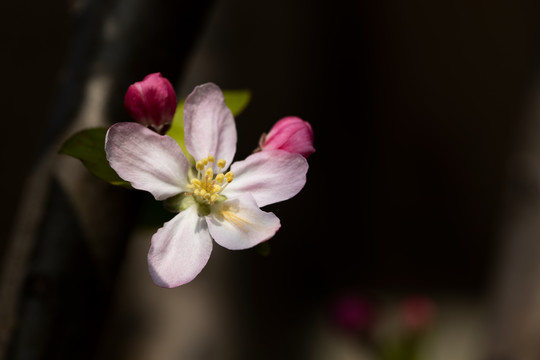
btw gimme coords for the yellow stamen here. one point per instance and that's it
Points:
(208, 186)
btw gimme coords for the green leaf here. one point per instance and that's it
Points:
(236, 101)
(177, 130)
(89, 147)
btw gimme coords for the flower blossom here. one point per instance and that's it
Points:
(211, 200)
(151, 102)
(291, 134)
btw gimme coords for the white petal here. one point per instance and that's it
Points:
(209, 124)
(147, 160)
(239, 223)
(180, 249)
(270, 176)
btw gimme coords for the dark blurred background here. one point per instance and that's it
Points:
(418, 109)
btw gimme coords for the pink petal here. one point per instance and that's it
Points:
(149, 161)
(291, 134)
(239, 224)
(209, 125)
(180, 249)
(269, 176)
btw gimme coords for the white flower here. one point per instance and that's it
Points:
(212, 202)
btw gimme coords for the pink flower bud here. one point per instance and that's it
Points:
(291, 134)
(152, 102)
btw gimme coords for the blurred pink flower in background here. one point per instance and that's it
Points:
(152, 102)
(417, 313)
(353, 313)
(291, 134)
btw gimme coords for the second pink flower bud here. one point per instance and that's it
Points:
(291, 134)
(152, 102)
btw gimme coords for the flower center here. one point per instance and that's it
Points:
(207, 186)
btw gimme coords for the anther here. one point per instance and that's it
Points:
(207, 188)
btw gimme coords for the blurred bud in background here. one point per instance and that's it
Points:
(417, 313)
(353, 313)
